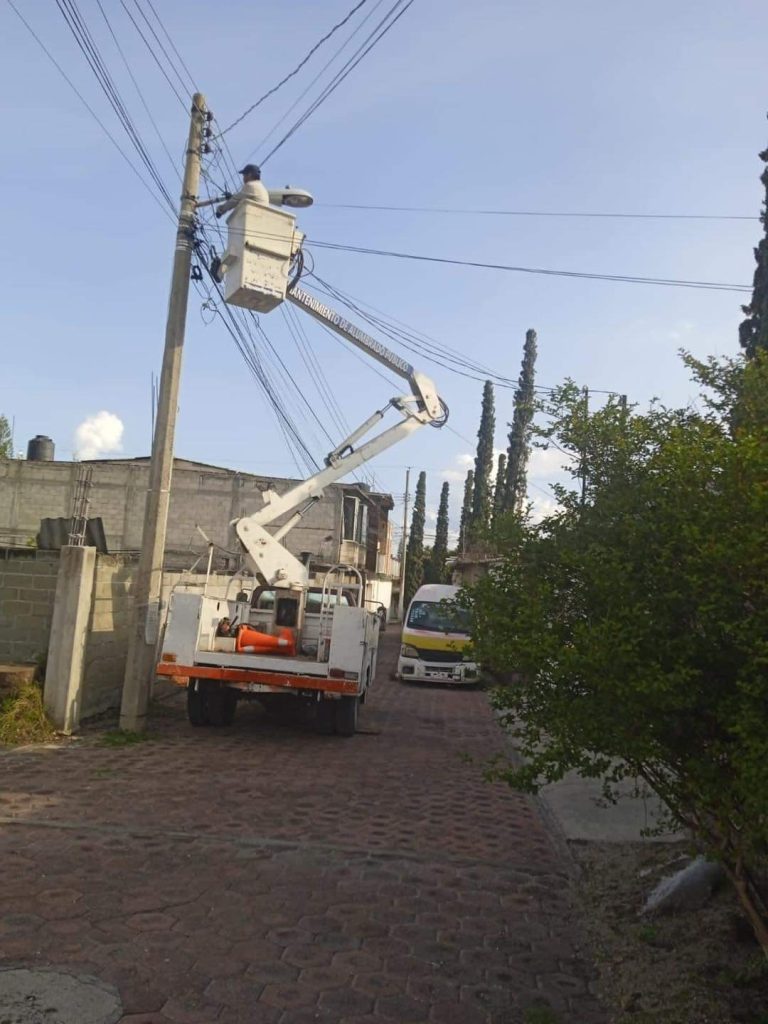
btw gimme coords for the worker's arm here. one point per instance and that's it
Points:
(250, 190)
(230, 203)
(210, 202)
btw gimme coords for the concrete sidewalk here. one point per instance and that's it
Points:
(578, 808)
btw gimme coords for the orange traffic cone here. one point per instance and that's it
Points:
(251, 641)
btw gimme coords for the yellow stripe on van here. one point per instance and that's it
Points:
(435, 641)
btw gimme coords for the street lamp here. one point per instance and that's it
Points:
(288, 196)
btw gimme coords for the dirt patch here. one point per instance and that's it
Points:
(695, 967)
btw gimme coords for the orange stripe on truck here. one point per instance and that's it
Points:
(181, 674)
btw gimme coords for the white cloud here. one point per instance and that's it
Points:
(543, 505)
(99, 435)
(544, 463)
(681, 331)
(464, 461)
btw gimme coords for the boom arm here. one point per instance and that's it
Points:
(266, 556)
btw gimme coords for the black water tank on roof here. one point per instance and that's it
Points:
(40, 449)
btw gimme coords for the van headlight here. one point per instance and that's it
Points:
(406, 651)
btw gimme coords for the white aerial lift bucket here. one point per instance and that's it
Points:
(262, 241)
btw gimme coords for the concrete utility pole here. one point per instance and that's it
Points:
(401, 599)
(142, 650)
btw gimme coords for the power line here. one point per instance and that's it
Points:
(296, 70)
(240, 330)
(536, 213)
(509, 268)
(358, 28)
(144, 103)
(154, 55)
(172, 66)
(88, 47)
(410, 339)
(90, 110)
(440, 355)
(317, 375)
(388, 22)
(173, 45)
(624, 278)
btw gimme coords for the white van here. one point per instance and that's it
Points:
(434, 638)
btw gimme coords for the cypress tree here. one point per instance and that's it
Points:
(414, 565)
(435, 569)
(466, 511)
(6, 448)
(499, 486)
(481, 496)
(519, 436)
(753, 332)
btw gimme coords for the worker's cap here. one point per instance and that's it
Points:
(253, 169)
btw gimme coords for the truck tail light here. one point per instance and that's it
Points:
(339, 673)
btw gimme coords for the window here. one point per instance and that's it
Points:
(314, 598)
(361, 531)
(438, 617)
(265, 602)
(355, 520)
(350, 516)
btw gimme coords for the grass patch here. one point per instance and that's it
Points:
(23, 718)
(122, 738)
(647, 933)
(540, 1015)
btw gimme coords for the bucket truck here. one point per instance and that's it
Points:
(223, 650)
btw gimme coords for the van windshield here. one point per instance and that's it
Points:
(438, 616)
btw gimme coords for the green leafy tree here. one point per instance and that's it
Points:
(636, 617)
(520, 428)
(435, 571)
(482, 490)
(499, 487)
(6, 447)
(466, 511)
(414, 563)
(753, 332)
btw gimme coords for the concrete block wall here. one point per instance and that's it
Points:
(110, 622)
(107, 638)
(206, 496)
(27, 592)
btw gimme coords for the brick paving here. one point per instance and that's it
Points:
(265, 874)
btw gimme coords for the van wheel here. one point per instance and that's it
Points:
(221, 706)
(346, 716)
(197, 703)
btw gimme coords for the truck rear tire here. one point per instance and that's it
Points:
(197, 703)
(221, 706)
(346, 716)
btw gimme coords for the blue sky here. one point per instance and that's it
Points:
(597, 106)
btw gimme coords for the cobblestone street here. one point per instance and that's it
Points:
(265, 873)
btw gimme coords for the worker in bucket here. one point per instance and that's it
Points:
(253, 188)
